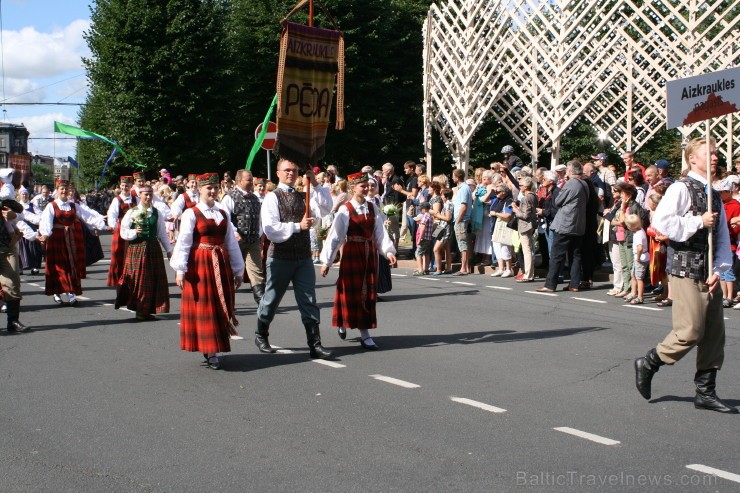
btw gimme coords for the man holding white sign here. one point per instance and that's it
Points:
(698, 321)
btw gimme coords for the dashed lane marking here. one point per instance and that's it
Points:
(236, 338)
(395, 381)
(643, 307)
(587, 299)
(281, 350)
(463, 283)
(501, 288)
(479, 405)
(399, 275)
(330, 364)
(431, 279)
(715, 472)
(587, 436)
(541, 294)
(83, 298)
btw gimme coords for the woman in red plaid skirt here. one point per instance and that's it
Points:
(61, 232)
(358, 226)
(142, 286)
(209, 269)
(118, 208)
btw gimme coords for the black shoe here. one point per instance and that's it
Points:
(342, 332)
(73, 302)
(313, 338)
(706, 396)
(369, 347)
(645, 368)
(34, 271)
(17, 326)
(213, 363)
(263, 344)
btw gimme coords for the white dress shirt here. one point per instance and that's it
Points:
(114, 211)
(181, 253)
(674, 219)
(338, 233)
(128, 233)
(179, 204)
(279, 232)
(83, 213)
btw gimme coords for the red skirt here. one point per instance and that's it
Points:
(117, 256)
(205, 323)
(143, 283)
(356, 297)
(63, 274)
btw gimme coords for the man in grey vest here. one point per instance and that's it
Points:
(286, 225)
(244, 206)
(698, 321)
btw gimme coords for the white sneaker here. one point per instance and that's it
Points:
(507, 273)
(497, 273)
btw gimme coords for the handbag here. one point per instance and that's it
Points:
(501, 234)
(513, 223)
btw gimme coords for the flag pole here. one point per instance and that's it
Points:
(710, 263)
(307, 182)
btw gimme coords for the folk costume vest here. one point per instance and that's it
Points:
(246, 215)
(189, 203)
(690, 258)
(292, 207)
(123, 207)
(148, 228)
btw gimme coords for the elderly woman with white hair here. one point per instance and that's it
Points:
(526, 214)
(483, 193)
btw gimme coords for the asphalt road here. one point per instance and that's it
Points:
(482, 384)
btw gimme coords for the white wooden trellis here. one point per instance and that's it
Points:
(538, 66)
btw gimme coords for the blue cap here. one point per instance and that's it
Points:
(662, 164)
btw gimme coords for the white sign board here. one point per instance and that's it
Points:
(700, 98)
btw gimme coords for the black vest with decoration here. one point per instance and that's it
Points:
(246, 215)
(292, 208)
(691, 257)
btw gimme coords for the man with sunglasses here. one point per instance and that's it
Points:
(286, 225)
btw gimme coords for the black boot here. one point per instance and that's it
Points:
(261, 339)
(258, 291)
(14, 309)
(313, 338)
(706, 397)
(645, 368)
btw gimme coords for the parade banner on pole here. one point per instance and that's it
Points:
(696, 99)
(311, 59)
(78, 132)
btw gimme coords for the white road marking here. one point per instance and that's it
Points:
(431, 279)
(127, 310)
(281, 350)
(33, 284)
(587, 299)
(541, 293)
(587, 436)
(479, 405)
(500, 287)
(107, 304)
(83, 298)
(395, 381)
(330, 364)
(715, 472)
(463, 283)
(236, 338)
(399, 275)
(643, 307)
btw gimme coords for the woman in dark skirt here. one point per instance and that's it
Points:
(142, 285)
(209, 269)
(359, 227)
(29, 250)
(384, 283)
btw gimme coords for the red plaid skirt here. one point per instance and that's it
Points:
(142, 286)
(204, 327)
(60, 273)
(355, 297)
(117, 256)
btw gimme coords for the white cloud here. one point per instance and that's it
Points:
(43, 140)
(29, 53)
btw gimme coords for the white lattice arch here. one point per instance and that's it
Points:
(538, 66)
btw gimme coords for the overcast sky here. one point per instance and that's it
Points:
(42, 47)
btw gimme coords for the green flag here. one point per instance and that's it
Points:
(261, 136)
(78, 132)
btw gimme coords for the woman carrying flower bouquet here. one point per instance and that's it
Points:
(358, 226)
(142, 286)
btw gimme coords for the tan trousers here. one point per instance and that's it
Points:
(527, 240)
(697, 321)
(9, 278)
(252, 253)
